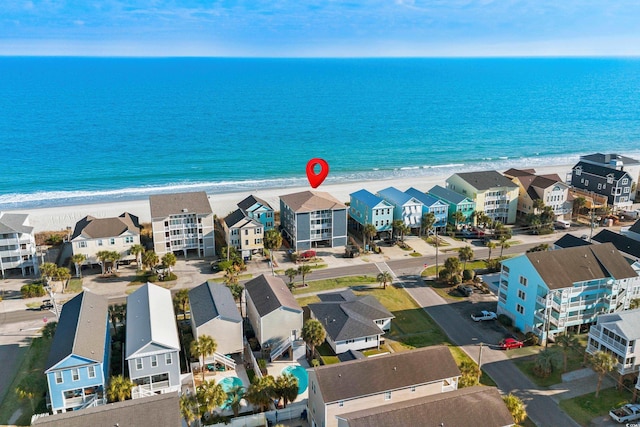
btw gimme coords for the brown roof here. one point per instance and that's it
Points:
(310, 201)
(164, 205)
(362, 377)
(564, 267)
(479, 406)
(95, 228)
(513, 172)
(486, 180)
(269, 293)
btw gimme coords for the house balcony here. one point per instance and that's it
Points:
(611, 344)
(146, 390)
(541, 300)
(539, 316)
(83, 401)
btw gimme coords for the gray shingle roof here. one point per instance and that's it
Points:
(602, 171)
(14, 223)
(269, 293)
(448, 195)
(213, 300)
(635, 228)
(622, 243)
(95, 228)
(310, 201)
(570, 241)
(625, 323)
(389, 372)
(82, 329)
(238, 219)
(607, 158)
(155, 411)
(478, 406)
(164, 205)
(564, 267)
(252, 200)
(485, 180)
(513, 172)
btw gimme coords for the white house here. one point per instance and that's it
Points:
(17, 244)
(92, 235)
(617, 333)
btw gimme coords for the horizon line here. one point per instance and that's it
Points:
(515, 56)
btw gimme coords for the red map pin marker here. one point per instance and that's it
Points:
(315, 179)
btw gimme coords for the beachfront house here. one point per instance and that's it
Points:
(243, 233)
(457, 203)
(616, 161)
(367, 208)
(483, 407)
(356, 385)
(182, 223)
(273, 312)
(547, 188)
(92, 235)
(214, 312)
(556, 291)
(431, 204)
(313, 219)
(405, 208)
(77, 368)
(152, 347)
(17, 244)
(617, 333)
(256, 208)
(351, 322)
(493, 193)
(615, 184)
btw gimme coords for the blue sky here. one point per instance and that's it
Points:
(293, 28)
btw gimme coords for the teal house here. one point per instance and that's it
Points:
(367, 208)
(457, 202)
(431, 204)
(405, 208)
(256, 208)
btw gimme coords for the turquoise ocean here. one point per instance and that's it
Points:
(83, 130)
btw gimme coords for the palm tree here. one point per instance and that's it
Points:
(567, 343)
(47, 271)
(117, 313)
(291, 273)
(149, 259)
(272, 241)
(181, 300)
(369, 231)
(504, 244)
(470, 374)
(428, 220)
(602, 363)
(260, 392)
(543, 365)
(231, 275)
(303, 270)
(452, 265)
(204, 346)
(234, 398)
(635, 303)
(137, 250)
(168, 261)
(578, 204)
(119, 388)
(114, 257)
(236, 291)
(189, 408)
(404, 229)
(29, 389)
(491, 245)
(210, 395)
(458, 217)
(383, 278)
(286, 388)
(313, 334)
(63, 275)
(538, 205)
(78, 259)
(103, 257)
(516, 407)
(465, 254)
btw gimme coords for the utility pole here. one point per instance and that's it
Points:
(480, 362)
(436, 254)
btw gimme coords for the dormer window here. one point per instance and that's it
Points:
(609, 179)
(578, 170)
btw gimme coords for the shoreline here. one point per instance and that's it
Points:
(58, 218)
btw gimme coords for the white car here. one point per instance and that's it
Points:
(484, 315)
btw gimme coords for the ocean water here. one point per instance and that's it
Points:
(81, 130)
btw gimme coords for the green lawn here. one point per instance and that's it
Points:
(240, 277)
(431, 271)
(327, 354)
(74, 286)
(445, 290)
(339, 282)
(585, 408)
(460, 356)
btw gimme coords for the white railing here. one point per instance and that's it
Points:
(146, 390)
(252, 359)
(280, 348)
(94, 401)
(541, 300)
(223, 360)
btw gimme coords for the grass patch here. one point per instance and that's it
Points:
(476, 264)
(574, 361)
(32, 367)
(240, 277)
(279, 272)
(432, 241)
(327, 354)
(460, 356)
(585, 408)
(74, 286)
(305, 301)
(374, 351)
(33, 304)
(445, 290)
(251, 374)
(415, 254)
(318, 266)
(338, 282)
(129, 291)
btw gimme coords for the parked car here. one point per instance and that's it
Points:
(352, 251)
(308, 254)
(215, 267)
(465, 290)
(46, 305)
(626, 413)
(509, 343)
(484, 315)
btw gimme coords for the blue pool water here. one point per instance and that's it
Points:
(228, 383)
(301, 374)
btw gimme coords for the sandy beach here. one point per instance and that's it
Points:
(60, 217)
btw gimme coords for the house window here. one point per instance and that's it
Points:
(624, 181)
(75, 374)
(523, 281)
(387, 395)
(413, 389)
(519, 309)
(128, 239)
(59, 379)
(258, 230)
(112, 241)
(350, 341)
(522, 295)
(578, 171)
(246, 232)
(505, 270)
(99, 242)
(82, 244)
(92, 371)
(139, 364)
(167, 359)
(341, 403)
(625, 189)
(154, 361)
(610, 179)
(599, 186)
(246, 242)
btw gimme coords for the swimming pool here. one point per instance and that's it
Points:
(228, 383)
(301, 374)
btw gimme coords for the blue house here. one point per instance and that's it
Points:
(406, 208)
(457, 202)
(258, 209)
(78, 364)
(431, 204)
(367, 208)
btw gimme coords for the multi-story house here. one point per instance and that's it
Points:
(493, 193)
(378, 381)
(632, 232)
(405, 208)
(17, 244)
(555, 291)
(617, 333)
(367, 208)
(615, 184)
(92, 235)
(78, 365)
(152, 347)
(351, 322)
(243, 233)
(548, 188)
(182, 223)
(313, 218)
(457, 203)
(256, 208)
(431, 204)
(616, 161)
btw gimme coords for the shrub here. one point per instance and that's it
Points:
(315, 363)
(224, 265)
(32, 290)
(443, 275)
(531, 339)
(456, 279)
(505, 320)
(493, 265)
(468, 274)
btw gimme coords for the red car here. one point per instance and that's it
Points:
(509, 343)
